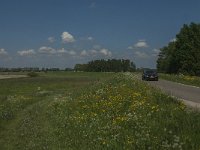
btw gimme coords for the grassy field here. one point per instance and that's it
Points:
(189, 80)
(92, 111)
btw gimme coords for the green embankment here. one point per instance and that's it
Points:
(92, 111)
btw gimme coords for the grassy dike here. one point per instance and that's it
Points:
(85, 111)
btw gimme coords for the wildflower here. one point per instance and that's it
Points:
(129, 141)
(170, 132)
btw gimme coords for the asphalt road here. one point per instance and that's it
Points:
(189, 94)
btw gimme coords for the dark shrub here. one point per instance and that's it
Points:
(33, 74)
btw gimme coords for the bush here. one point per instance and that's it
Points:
(33, 74)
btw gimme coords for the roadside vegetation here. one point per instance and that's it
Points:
(182, 54)
(93, 111)
(180, 78)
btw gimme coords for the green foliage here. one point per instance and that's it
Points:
(166, 62)
(113, 65)
(32, 74)
(182, 55)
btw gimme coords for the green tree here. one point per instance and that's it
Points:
(113, 65)
(182, 56)
(166, 61)
(188, 49)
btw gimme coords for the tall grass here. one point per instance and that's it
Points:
(23, 99)
(117, 113)
(189, 80)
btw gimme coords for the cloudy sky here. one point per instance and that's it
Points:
(62, 33)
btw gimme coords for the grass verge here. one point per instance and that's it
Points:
(188, 80)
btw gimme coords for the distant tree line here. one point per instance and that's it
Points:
(183, 54)
(32, 69)
(25, 69)
(110, 65)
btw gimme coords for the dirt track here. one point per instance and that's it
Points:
(11, 76)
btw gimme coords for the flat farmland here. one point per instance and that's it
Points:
(77, 110)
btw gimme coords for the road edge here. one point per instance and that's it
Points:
(191, 104)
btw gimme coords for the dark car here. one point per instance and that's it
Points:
(150, 75)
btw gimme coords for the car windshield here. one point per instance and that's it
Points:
(150, 72)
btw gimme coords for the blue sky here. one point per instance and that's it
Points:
(62, 33)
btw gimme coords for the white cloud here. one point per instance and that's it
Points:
(59, 52)
(173, 40)
(46, 50)
(130, 47)
(156, 51)
(29, 52)
(51, 39)
(84, 53)
(63, 51)
(93, 52)
(72, 52)
(105, 52)
(90, 38)
(3, 52)
(67, 37)
(141, 44)
(141, 54)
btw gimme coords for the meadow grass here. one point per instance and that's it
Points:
(93, 111)
(185, 79)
